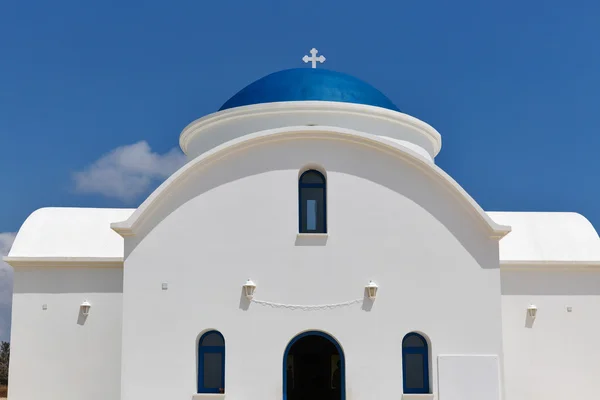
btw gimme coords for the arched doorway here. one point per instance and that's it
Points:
(313, 368)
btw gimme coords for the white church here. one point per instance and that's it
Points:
(310, 249)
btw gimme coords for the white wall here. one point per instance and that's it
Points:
(555, 356)
(57, 354)
(437, 270)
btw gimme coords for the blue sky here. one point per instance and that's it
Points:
(513, 87)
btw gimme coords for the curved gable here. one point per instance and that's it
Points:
(140, 220)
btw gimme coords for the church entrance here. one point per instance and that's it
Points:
(314, 368)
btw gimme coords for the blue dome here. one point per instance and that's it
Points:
(305, 84)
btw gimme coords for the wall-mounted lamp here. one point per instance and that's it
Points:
(249, 288)
(85, 308)
(532, 311)
(372, 290)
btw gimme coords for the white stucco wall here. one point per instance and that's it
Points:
(57, 354)
(436, 266)
(555, 356)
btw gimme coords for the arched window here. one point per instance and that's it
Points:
(313, 207)
(211, 363)
(415, 364)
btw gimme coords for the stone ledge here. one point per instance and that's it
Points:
(208, 396)
(418, 396)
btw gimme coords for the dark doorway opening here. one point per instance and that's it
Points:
(314, 368)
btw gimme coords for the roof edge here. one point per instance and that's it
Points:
(87, 262)
(550, 265)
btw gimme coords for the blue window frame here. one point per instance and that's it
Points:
(211, 363)
(415, 364)
(312, 202)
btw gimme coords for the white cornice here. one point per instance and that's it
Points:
(549, 265)
(132, 224)
(312, 108)
(117, 262)
(88, 262)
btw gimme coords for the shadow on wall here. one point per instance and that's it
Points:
(367, 304)
(337, 155)
(529, 320)
(68, 280)
(554, 283)
(81, 318)
(311, 240)
(244, 301)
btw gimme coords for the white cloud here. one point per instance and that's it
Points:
(6, 285)
(128, 171)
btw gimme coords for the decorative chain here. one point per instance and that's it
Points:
(307, 307)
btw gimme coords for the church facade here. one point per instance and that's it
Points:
(310, 248)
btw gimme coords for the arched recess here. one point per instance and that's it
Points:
(211, 362)
(314, 367)
(416, 364)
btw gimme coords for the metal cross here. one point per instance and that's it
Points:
(313, 58)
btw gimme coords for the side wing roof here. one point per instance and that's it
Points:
(548, 238)
(63, 236)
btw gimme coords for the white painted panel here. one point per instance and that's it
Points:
(56, 352)
(555, 356)
(468, 377)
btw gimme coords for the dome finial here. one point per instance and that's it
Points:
(313, 58)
